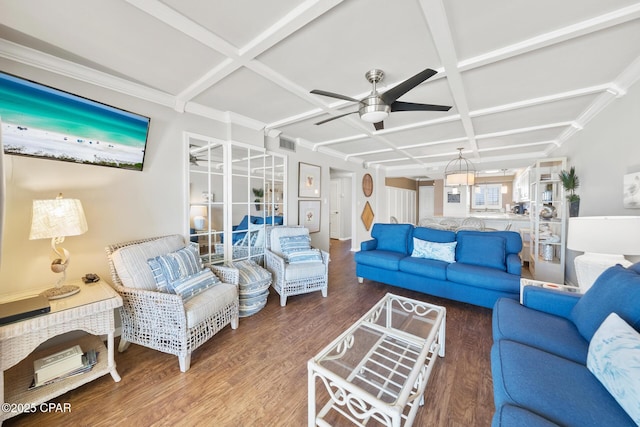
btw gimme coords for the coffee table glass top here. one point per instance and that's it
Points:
(379, 352)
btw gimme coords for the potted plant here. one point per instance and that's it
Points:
(258, 193)
(570, 182)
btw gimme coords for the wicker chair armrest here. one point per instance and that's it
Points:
(152, 307)
(226, 273)
(275, 264)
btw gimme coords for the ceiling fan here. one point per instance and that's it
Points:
(375, 107)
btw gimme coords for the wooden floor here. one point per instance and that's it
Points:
(257, 375)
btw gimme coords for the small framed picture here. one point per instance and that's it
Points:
(308, 180)
(309, 215)
(631, 186)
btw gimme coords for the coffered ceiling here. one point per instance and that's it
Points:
(521, 76)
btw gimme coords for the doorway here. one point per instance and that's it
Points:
(341, 205)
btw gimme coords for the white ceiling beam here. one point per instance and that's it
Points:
(579, 29)
(436, 17)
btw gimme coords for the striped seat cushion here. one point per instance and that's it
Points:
(249, 272)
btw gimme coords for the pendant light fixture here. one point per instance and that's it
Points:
(459, 171)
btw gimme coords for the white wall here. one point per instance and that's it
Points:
(326, 162)
(119, 204)
(602, 153)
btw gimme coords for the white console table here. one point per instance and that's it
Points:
(91, 310)
(379, 367)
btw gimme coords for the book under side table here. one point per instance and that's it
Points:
(91, 310)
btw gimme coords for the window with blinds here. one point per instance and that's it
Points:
(487, 196)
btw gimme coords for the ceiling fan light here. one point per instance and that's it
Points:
(373, 110)
(374, 116)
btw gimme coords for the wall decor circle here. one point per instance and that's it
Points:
(367, 185)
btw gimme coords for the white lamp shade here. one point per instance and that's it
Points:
(57, 218)
(618, 235)
(454, 179)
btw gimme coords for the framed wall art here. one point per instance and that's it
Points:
(367, 185)
(631, 185)
(309, 215)
(308, 180)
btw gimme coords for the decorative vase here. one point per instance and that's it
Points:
(574, 208)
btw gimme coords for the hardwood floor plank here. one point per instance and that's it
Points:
(256, 375)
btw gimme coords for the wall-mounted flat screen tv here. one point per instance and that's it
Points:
(48, 123)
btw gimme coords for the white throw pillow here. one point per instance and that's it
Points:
(433, 250)
(614, 359)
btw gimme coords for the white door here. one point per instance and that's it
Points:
(427, 204)
(334, 209)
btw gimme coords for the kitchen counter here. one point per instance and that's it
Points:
(497, 221)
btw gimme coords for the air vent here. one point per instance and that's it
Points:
(287, 144)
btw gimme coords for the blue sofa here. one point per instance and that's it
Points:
(545, 351)
(486, 267)
(241, 229)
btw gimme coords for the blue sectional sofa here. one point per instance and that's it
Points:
(475, 267)
(560, 359)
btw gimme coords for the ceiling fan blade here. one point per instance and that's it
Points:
(400, 89)
(334, 95)
(412, 106)
(379, 125)
(335, 117)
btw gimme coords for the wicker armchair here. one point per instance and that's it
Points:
(294, 279)
(163, 321)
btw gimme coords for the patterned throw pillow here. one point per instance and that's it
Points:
(307, 255)
(433, 250)
(190, 286)
(614, 358)
(289, 244)
(175, 266)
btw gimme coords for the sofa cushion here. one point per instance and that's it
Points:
(513, 416)
(483, 277)
(546, 332)
(434, 250)
(430, 268)
(275, 220)
(564, 391)
(432, 235)
(131, 265)
(208, 302)
(392, 237)
(616, 290)
(513, 240)
(304, 271)
(635, 267)
(481, 249)
(614, 358)
(382, 259)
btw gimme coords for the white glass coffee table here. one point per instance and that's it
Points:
(377, 370)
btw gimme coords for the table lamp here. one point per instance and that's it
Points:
(604, 240)
(56, 219)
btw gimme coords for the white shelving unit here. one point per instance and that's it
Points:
(548, 216)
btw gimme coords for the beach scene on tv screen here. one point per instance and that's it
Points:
(48, 123)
